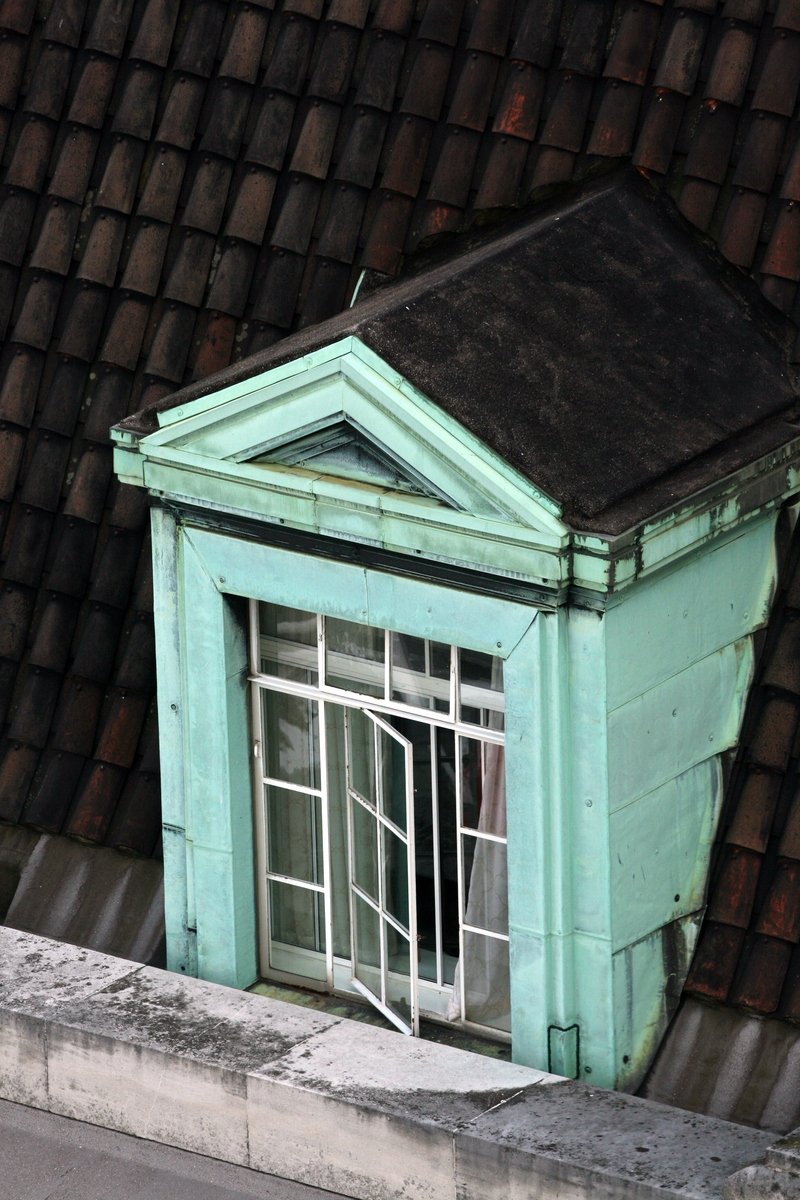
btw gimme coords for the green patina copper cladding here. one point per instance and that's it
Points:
(622, 695)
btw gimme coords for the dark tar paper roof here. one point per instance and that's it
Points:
(598, 347)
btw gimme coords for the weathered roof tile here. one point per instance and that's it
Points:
(84, 322)
(17, 211)
(26, 543)
(65, 22)
(339, 237)
(312, 154)
(520, 102)
(170, 347)
(760, 982)
(276, 300)
(74, 164)
(208, 195)
(103, 249)
(154, 36)
(395, 16)
(427, 82)
(715, 961)
(454, 168)
(787, 15)
(760, 153)
(110, 27)
(730, 69)
(189, 275)
(741, 226)
(53, 633)
(56, 241)
(48, 86)
(120, 180)
(12, 447)
(93, 92)
(472, 99)
(35, 703)
(63, 397)
(633, 44)
(121, 726)
(50, 799)
(45, 472)
(28, 166)
(215, 341)
(615, 124)
(712, 144)
(116, 569)
(780, 914)
(17, 770)
(182, 112)
(659, 130)
(76, 717)
(584, 49)
(87, 492)
(377, 85)
(137, 106)
(332, 75)
(230, 103)
(137, 819)
(137, 663)
(251, 208)
(408, 153)
(752, 820)
(502, 174)
(146, 257)
(231, 283)
(780, 76)
(16, 609)
(288, 66)
(20, 386)
(74, 541)
(441, 21)
(782, 256)
(735, 889)
(198, 46)
(297, 216)
(125, 337)
(680, 60)
(349, 12)
(566, 120)
(96, 795)
(17, 15)
(358, 161)
(13, 52)
(34, 325)
(163, 185)
(242, 57)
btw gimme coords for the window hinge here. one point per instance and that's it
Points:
(256, 750)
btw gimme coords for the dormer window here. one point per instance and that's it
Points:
(381, 817)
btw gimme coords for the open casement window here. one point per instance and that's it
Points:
(380, 818)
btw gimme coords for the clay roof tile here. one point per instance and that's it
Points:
(53, 634)
(17, 211)
(229, 107)
(72, 563)
(565, 123)
(474, 91)
(208, 196)
(129, 507)
(741, 226)
(288, 65)
(16, 609)
(136, 825)
(56, 241)
(120, 180)
(326, 292)
(103, 248)
(752, 820)
(189, 274)
(358, 161)
(491, 27)
(109, 402)
(710, 151)
(407, 155)
(276, 301)
(455, 165)
(96, 646)
(49, 801)
(65, 22)
(761, 978)
(297, 216)
(584, 50)
(790, 189)
(110, 27)
(779, 79)
(743, 10)
(153, 40)
(730, 68)
(441, 21)
(170, 347)
(34, 325)
(552, 166)
(137, 655)
(74, 164)
(28, 166)
(385, 239)
(427, 82)
(36, 697)
(242, 57)
(314, 148)
(137, 106)
(761, 151)
(13, 52)
(733, 896)
(116, 569)
(96, 795)
(17, 15)
(251, 208)
(63, 397)
(395, 16)
(305, 8)
(787, 15)
(159, 198)
(123, 341)
(789, 846)
(271, 135)
(87, 492)
(20, 386)
(715, 961)
(332, 75)
(84, 322)
(782, 258)
(27, 537)
(680, 60)
(340, 234)
(146, 258)
(17, 771)
(774, 731)
(231, 283)
(615, 124)
(520, 102)
(632, 47)
(76, 716)
(198, 45)
(45, 472)
(121, 726)
(349, 12)
(90, 101)
(501, 176)
(659, 131)
(215, 338)
(8, 679)
(48, 86)
(377, 85)
(12, 447)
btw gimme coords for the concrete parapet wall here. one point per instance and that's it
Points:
(327, 1101)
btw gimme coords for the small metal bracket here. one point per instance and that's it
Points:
(564, 1050)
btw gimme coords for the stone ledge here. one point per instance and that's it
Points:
(327, 1101)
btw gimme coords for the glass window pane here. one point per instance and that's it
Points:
(392, 800)
(365, 849)
(288, 643)
(486, 981)
(291, 738)
(294, 834)
(368, 944)
(361, 755)
(395, 877)
(485, 884)
(297, 916)
(355, 657)
(481, 697)
(420, 672)
(337, 825)
(483, 796)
